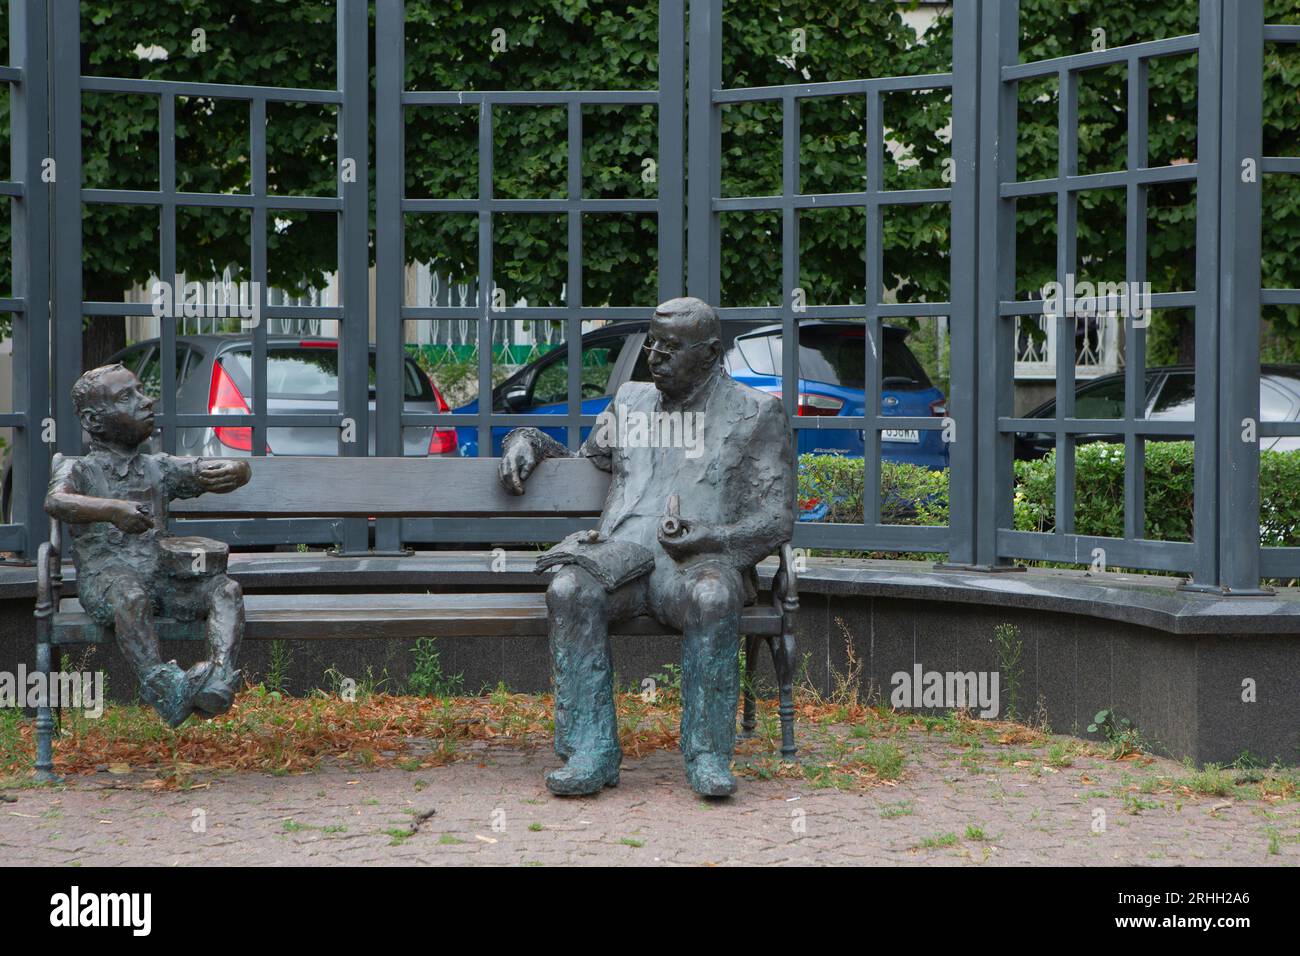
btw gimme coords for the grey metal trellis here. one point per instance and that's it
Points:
(351, 98)
(706, 205)
(1001, 72)
(1225, 554)
(392, 205)
(28, 305)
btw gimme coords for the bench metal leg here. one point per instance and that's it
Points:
(748, 721)
(49, 582)
(783, 655)
(44, 719)
(44, 716)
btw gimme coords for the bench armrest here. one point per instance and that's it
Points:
(44, 596)
(785, 584)
(49, 570)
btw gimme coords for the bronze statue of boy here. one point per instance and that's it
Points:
(683, 526)
(114, 501)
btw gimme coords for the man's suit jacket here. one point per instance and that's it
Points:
(738, 478)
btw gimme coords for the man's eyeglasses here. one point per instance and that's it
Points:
(671, 349)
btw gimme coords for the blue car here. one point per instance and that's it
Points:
(832, 361)
(542, 386)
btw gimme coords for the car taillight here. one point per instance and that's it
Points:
(819, 405)
(810, 404)
(224, 398)
(939, 407)
(443, 441)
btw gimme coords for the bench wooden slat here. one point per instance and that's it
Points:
(403, 487)
(327, 616)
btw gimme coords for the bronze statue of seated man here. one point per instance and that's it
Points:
(114, 501)
(683, 525)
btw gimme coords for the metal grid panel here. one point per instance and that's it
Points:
(1280, 562)
(1002, 74)
(28, 307)
(350, 205)
(986, 73)
(392, 205)
(707, 203)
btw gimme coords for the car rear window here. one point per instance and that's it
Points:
(1177, 401)
(145, 363)
(313, 373)
(834, 357)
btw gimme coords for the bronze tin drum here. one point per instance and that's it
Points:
(193, 557)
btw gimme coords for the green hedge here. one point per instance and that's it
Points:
(910, 494)
(1098, 491)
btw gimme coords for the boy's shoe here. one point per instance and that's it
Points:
(170, 690)
(217, 692)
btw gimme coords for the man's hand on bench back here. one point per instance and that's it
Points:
(518, 459)
(521, 451)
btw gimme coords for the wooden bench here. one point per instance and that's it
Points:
(396, 488)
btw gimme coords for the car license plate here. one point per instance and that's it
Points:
(911, 435)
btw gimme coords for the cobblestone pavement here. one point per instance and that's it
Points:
(945, 809)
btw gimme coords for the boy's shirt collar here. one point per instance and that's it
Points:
(117, 460)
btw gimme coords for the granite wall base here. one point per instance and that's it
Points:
(1208, 697)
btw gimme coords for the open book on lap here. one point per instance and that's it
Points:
(612, 562)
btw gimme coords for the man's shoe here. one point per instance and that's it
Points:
(217, 692)
(582, 775)
(710, 775)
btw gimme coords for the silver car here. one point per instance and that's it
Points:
(214, 377)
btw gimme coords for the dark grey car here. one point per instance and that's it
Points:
(1170, 396)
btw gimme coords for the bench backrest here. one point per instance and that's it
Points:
(403, 487)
